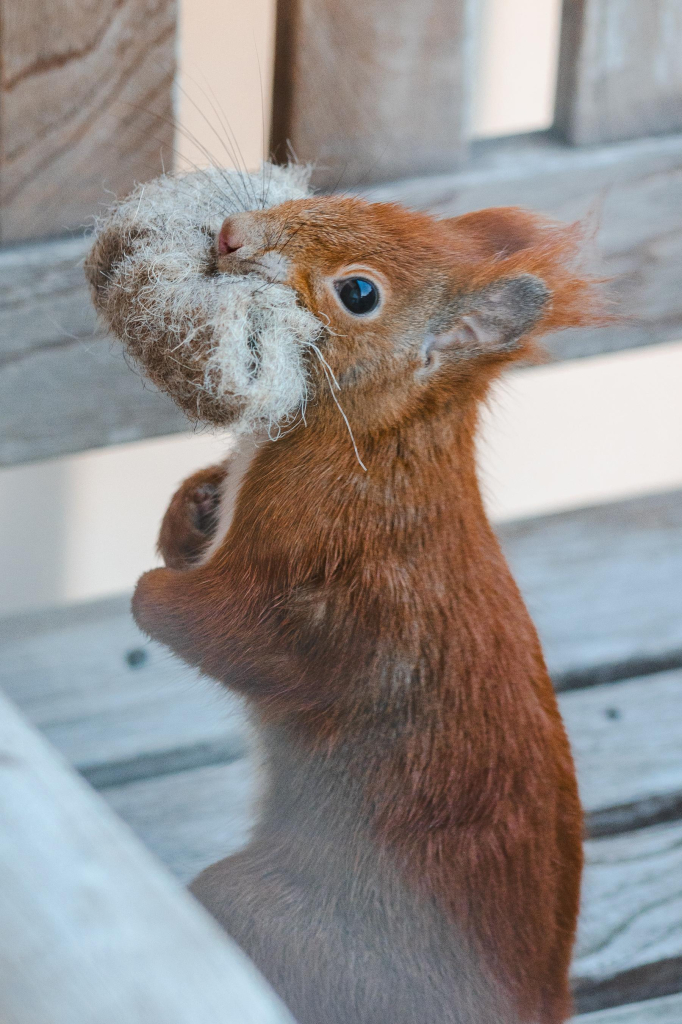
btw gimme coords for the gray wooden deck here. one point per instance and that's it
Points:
(170, 752)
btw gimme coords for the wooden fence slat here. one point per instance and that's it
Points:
(372, 91)
(93, 930)
(667, 1010)
(620, 69)
(85, 93)
(117, 706)
(50, 347)
(603, 586)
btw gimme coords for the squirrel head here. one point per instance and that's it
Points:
(294, 299)
(417, 313)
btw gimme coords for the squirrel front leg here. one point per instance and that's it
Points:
(215, 613)
(216, 622)
(199, 617)
(170, 604)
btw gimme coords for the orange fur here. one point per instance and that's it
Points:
(372, 616)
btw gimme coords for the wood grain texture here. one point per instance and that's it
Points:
(86, 107)
(667, 1010)
(627, 743)
(630, 933)
(63, 386)
(373, 91)
(631, 194)
(620, 69)
(117, 706)
(603, 586)
(93, 930)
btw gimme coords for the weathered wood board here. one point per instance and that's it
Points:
(117, 706)
(86, 107)
(667, 1010)
(627, 742)
(94, 931)
(63, 386)
(193, 818)
(373, 91)
(604, 586)
(633, 194)
(620, 69)
(630, 936)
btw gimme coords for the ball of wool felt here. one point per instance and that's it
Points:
(228, 349)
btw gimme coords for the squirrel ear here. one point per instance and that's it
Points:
(490, 321)
(500, 231)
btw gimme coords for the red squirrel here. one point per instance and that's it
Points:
(417, 857)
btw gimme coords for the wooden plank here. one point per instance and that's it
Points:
(620, 69)
(630, 936)
(50, 348)
(44, 299)
(192, 818)
(117, 706)
(603, 586)
(630, 942)
(627, 743)
(93, 930)
(667, 1010)
(373, 91)
(635, 189)
(86, 107)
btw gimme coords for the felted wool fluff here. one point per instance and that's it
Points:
(227, 348)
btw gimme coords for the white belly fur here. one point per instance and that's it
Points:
(238, 463)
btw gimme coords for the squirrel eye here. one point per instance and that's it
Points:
(358, 295)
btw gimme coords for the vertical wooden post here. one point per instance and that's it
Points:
(85, 94)
(374, 90)
(620, 69)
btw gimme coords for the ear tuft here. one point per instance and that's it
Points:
(492, 320)
(490, 246)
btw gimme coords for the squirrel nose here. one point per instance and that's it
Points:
(228, 238)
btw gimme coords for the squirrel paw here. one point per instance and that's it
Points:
(191, 518)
